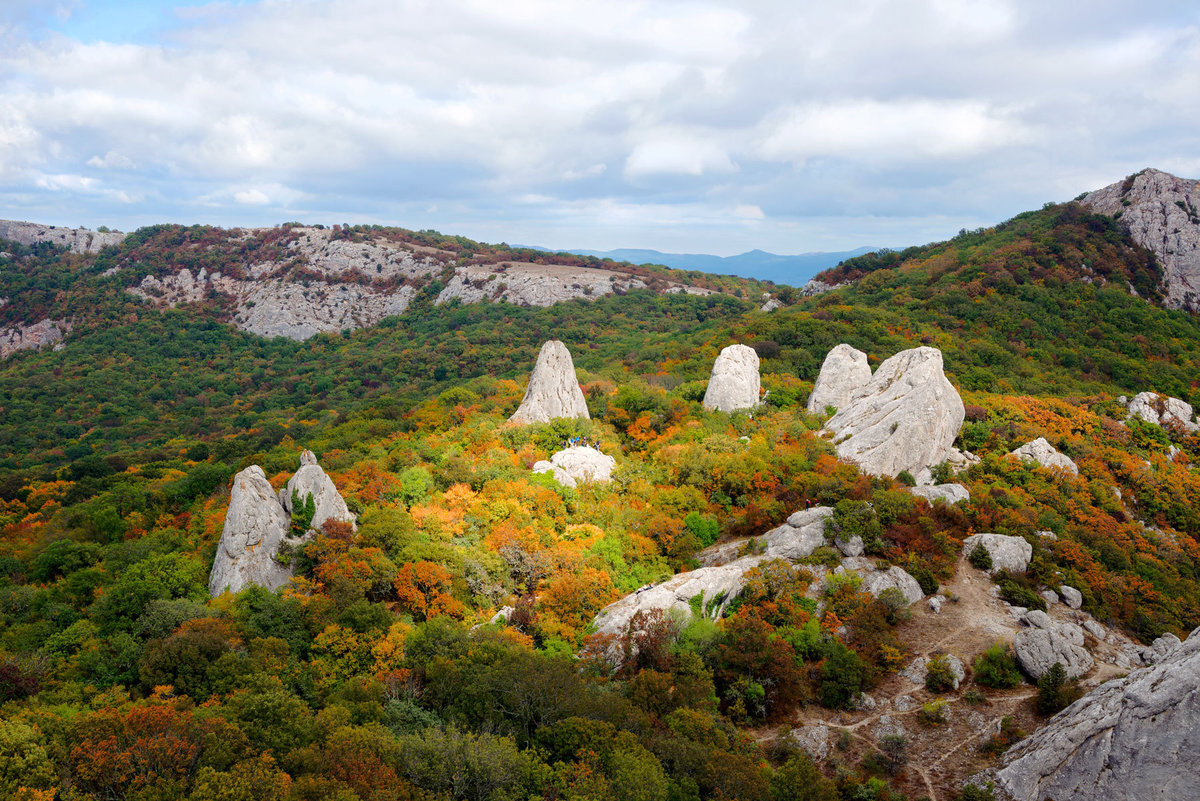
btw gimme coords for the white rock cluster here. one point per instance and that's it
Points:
(947, 493)
(1011, 554)
(28, 337)
(905, 417)
(259, 521)
(553, 389)
(577, 465)
(1130, 739)
(1045, 454)
(1163, 411)
(734, 383)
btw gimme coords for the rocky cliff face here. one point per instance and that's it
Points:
(37, 335)
(1163, 215)
(734, 383)
(905, 418)
(320, 283)
(255, 526)
(77, 240)
(1130, 739)
(553, 388)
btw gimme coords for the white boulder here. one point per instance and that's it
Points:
(947, 493)
(1047, 641)
(812, 738)
(553, 388)
(1071, 596)
(578, 464)
(1011, 554)
(255, 526)
(905, 418)
(844, 372)
(734, 383)
(310, 479)
(1045, 454)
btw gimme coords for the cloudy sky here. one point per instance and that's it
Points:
(716, 127)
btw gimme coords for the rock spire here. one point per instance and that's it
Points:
(553, 388)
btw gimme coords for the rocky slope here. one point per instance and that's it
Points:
(77, 240)
(37, 335)
(1163, 216)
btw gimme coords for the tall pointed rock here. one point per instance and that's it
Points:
(255, 525)
(844, 372)
(311, 479)
(734, 383)
(553, 388)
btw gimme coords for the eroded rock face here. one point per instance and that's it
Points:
(844, 372)
(1046, 455)
(311, 479)
(553, 388)
(1130, 739)
(577, 465)
(905, 418)
(77, 240)
(1008, 553)
(812, 738)
(1047, 641)
(28, 337)
(1162, 411)
(948, 493)
(255, 525)
(734, 383)
(1163, 215)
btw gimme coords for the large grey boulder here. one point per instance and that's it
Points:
(947, 493)
(1160, 212)
(801, 534)
(1071, 596)
(811, 738)
(553, 388)
(905, 418)
(255, 526)
(734, 383)
(876, 582)
(578, 464)
(1158, 650)
(844, 372)
(1011, 554)
(1162, 411)
(1045, 454)
(1047, 641)
(310, 479)
(1130, 739)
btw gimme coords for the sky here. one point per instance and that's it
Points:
(702, 127)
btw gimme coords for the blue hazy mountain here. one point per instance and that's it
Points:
(794, 270)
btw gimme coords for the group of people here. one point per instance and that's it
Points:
(581, 442)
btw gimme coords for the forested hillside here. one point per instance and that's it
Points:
(377, 675)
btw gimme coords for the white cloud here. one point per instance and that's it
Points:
(252, 197)
(676, 154)
(112, 160)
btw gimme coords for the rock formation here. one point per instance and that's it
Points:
(812, 739)
(255, 526)
(948, 493)
(577, 465)
(553, 388)
(919, 667)
(37, 335)
(1162, 213)
(1047, 641)
(1071, 596)
(734, 383)
(1162, 411)
(1011, 554)
(876, 582)
(76, 240)
(905, 418)
(1130, 739)
(310, 479)
(1044, 453)
(844, 372)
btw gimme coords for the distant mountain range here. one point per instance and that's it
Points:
(794, 270)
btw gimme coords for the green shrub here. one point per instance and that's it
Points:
(997, 667)
(1019, 595)
(939, 677)
(924, 577)
(980, 558)
(1055, 691)
(935, 713)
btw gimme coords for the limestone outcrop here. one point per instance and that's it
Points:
(1047, 641)
(1045, 454)
(1071, 596)
(310, 479)
(1162, 411)
(947, 493)
(76, 240)
(876, 582)
(844, 372)
(1130, 739)
(905, 418)
(28, 337)
(578, 464)
(255, 526)
(1162, 213)
(553, 388)
(734, 383)
(1011, 554)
